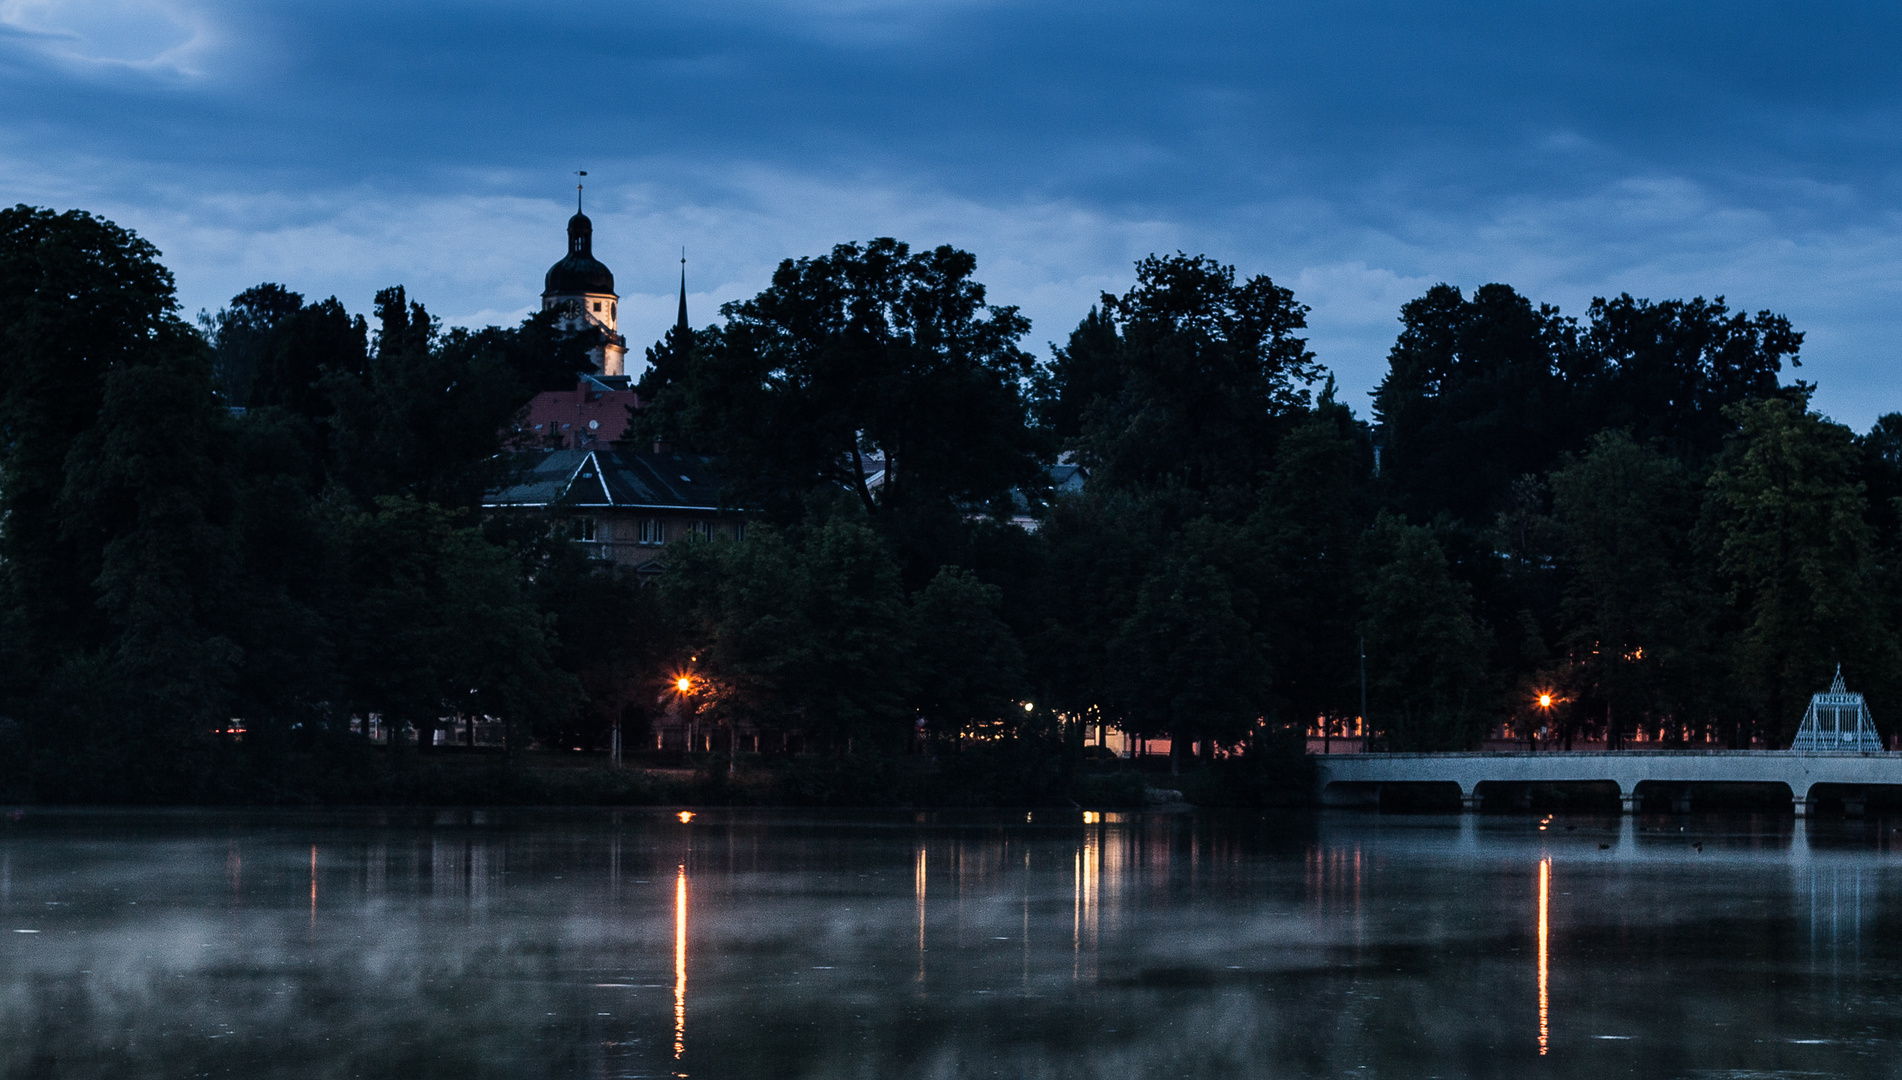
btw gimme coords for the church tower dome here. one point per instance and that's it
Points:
(583, 290)
(579, 272)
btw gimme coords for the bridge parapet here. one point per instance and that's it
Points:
(1345, 779)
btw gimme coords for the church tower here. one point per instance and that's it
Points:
(583, 290)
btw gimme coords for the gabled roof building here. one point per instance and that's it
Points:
(624, 505)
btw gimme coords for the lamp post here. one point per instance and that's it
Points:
(683, 689)
(1366, 729)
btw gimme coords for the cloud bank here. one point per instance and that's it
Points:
(1358, 152)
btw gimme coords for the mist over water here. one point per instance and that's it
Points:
(782, 943)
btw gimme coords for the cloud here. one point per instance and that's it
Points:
(1358, 151)
(150, 36)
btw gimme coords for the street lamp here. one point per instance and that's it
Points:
(1546, 698)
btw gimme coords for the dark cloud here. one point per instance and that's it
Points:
(1363, 148)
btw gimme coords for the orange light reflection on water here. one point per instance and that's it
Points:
(680, 963)
(1545, 900)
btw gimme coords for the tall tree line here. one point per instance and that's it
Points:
(270, 521)
(222, 543)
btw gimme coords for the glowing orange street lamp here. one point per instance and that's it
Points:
(1545, 703)
(684, 684)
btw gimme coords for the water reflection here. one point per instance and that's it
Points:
(833, 945)
(680, 964)
(1545, 903)
(919, 880)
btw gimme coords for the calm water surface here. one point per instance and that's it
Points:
(880, 944)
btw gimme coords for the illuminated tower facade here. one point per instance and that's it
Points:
(583, 290)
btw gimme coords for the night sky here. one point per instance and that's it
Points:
(1357, 152)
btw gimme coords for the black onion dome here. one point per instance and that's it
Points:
(579, 272)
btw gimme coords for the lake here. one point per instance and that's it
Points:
(796, 943)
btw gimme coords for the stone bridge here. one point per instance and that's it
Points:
(1356, 779)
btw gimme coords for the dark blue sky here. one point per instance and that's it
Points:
(1357, 152)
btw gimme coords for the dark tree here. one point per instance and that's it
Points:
(304, 347)
(1475, 397)
(433, 624)
(243, 336)
(1426, 657)
(668, 361)
(1209, 369)
(871, 352)
(426, 416)
(968, 668)
(1784, 524)
(1639, 613)
(806, 628)
(1666, 370)
(1188, 664)
(1085, 371)
(1315, 503)
(79, 298)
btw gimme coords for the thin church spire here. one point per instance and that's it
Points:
(680, 324)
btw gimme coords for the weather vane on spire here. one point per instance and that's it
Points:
(582, 172)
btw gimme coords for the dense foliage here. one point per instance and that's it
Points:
(269, 524)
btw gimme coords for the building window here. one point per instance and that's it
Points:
(739, 530)
(584, 528)
(700, 529)
(653, 531)
(597, 306)
(614, 311)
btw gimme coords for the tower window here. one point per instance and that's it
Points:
(597, 306)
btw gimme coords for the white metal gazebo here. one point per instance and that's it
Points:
(1837, 720)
